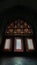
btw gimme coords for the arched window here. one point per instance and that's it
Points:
(18, 27)
(22, 33)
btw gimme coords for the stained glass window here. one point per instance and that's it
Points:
(18, 27)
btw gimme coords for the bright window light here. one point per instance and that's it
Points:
(18, 43)
(30, 44)
(7, 44)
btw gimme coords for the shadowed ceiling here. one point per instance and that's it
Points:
(5, 4)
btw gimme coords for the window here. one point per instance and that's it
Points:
(30, 45)
(18, 27)
(7, 45)
(18, 45)
(17, 30)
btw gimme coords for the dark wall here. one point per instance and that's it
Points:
(26, 14)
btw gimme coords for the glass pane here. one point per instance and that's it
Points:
(18, 43)
(7, 44)
(30, 44)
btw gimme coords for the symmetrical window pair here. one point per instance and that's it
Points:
(19, 45)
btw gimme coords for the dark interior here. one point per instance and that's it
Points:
(9, 15)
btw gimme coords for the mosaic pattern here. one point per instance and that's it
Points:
(18, 27)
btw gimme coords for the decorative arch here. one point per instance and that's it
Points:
(21, 31)
(18, 27)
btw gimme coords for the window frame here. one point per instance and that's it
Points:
(18, 50)
(26, 43)
(10, 45)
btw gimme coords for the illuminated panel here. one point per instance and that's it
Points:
(30, 44)
(18, 46)
(7, 45)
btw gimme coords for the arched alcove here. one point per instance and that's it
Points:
(18, 37)
(25, 31)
